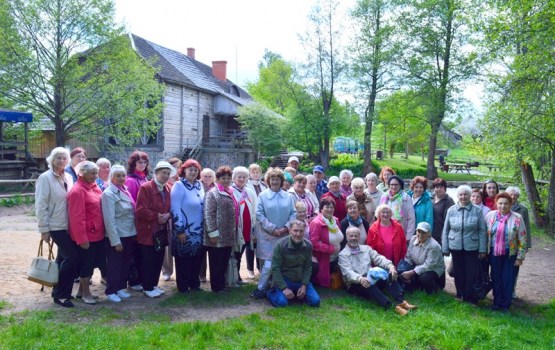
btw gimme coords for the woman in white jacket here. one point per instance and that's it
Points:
(51, 209)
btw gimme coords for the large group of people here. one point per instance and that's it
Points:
(136, 222)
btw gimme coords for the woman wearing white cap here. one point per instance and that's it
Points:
(152, 215)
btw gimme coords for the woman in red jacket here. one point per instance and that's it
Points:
(86, 225)
(152, 215)
(386, 236)
(327, 239)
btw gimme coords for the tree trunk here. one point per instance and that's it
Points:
(533, 195)
(368, 121)
(551, 197)
(431, 173)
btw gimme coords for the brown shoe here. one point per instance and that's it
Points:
(399, 310)
(405, 305)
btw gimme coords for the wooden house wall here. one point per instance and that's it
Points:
(40, 147)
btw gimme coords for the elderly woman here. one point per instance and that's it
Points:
(51, 210)
(326, 238)
(138, 169)
(77, 156)
(366, 205)
(477, 198)
(423, 207)
(464, 237)
(385, 174)
(490, 189)
(356, 260)
(355, 219)
(187, 201)
(339, 198)
(86, 225)
(207, 179)
(298, 192)
(153, 215)
(275, 209)
(312, 193)
(118, 213)
(346, 176)
(246, 198)
(176, 163)
(427, 267)
(372, 190)
(255, 182)
(401, 205)
(221, 212)
(507, 249)
(103, 179)
(386, 236)
(167, 265)
(288, 176)
(442, 202)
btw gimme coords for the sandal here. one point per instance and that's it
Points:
(65, 303)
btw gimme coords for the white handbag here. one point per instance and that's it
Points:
(44, 271)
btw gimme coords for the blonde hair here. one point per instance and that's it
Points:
(54, 153)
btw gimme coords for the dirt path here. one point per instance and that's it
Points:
(20, 239)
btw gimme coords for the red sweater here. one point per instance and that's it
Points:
(149, 204)
(340, 205)
(375, 241)
(85, 212)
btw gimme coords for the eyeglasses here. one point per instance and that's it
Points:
(394, 184)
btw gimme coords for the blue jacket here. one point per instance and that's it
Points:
(424, 209)
(464, 229)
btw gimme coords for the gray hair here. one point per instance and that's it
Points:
(310, 176)
(372, 176)
(86, 167)
(239, 170)
(357, 182)
(354, 229)
(116, 169)
(208, 171)
(297, 222)
(465, 189)
(513, 189)
(103, 161)
(346, 172)
(54, 153)
(380, 208)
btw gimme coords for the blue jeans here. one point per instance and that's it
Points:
(278, 299)
(503, 278)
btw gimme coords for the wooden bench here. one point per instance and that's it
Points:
(456, 168)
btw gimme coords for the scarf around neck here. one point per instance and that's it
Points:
(396, 204)
(499, 248)
(353, 222)
(331, 224)
(235, 204)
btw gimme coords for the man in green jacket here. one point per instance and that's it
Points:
(291, 268)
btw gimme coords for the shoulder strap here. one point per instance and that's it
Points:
(40, 248)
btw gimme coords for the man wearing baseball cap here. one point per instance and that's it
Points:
(321, 184)
(293, 162)
(425, 268)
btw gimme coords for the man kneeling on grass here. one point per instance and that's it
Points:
(361, 278)
(291, 268)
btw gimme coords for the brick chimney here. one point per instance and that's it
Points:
(219, 69)
(191, 52)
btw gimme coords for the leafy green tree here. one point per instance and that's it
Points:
(68, 61)
(436, 56)
(372, 54)
(264, 127)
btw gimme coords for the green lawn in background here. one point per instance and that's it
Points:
(342, 322)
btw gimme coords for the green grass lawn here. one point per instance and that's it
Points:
(342, 322)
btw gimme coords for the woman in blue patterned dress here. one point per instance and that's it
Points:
(187, 200)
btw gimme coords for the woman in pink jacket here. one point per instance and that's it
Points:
(326, 238)
(86, 225)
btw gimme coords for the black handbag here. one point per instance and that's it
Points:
(160, 238)
(483, 284)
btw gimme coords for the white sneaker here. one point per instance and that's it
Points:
(151, 293)
(159, 290)
(166, 277)
(123, 294)
(113, 298)
(251, 274)
(137, 288)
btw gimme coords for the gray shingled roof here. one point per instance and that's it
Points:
(179, 68)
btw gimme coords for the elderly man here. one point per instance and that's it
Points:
(293, 162)
(291, 269)
(321, 184)
(424, 262)
(362, 279)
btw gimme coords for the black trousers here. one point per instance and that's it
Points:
(429, 281)
(375, 293)
(187, 269)
(250, 256)
(118, 265)
(218, 259)
(151, 266)
(465, 269)
(92, 257)
(68, 264)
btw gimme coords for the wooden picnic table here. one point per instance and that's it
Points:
(459, 168)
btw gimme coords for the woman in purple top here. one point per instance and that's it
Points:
(138, 168)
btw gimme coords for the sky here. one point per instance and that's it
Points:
(233, 31)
